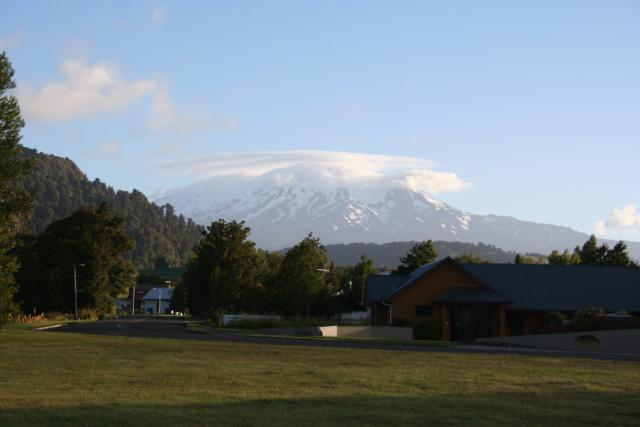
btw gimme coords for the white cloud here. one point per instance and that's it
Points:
(166, 117)
(84, 91)
(625, 220)
(158, 14)
(357, 171)
(10, 41)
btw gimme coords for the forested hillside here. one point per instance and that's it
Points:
(387, 255)
(60, 188)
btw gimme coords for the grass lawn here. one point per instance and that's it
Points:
(51, 378)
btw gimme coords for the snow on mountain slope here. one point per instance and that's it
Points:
(280, 216)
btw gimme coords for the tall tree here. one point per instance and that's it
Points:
(91, 242)
(591, 253)
(618, 255)
(420, 254)
(222, 270)
(301, 277)
(14, 203)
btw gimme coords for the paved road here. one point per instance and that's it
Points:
(173, 327)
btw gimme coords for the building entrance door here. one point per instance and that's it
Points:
(470, 321)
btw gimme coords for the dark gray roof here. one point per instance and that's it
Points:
(471, 295)
(411, 278)
(381, 285)
(535, 287)
(562, 288)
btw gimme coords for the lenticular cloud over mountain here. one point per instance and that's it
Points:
(322, 170)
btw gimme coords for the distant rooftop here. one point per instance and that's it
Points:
(158, 293)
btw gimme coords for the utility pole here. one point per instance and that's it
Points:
(133, 300)
(75, 288)
(75, 291)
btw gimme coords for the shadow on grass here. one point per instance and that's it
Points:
(572, 408)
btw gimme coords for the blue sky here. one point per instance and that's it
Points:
(533, 106)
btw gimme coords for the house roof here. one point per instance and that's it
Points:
(381, 285)
(158, 293)
(563, 287)
(530, 287)
(413, 277)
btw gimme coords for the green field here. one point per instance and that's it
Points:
(49, 378)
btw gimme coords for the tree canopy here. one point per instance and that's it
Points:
(60, 188)
(223, 269)
(420, 254)
(91, 240)
(301, 277)
(593, 254)
(14, 202)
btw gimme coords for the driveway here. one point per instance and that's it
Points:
(173, 327)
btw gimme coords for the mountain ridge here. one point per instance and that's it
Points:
(59, 188)
(280, 216)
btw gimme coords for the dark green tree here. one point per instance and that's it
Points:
(222, 270)
(420, 254)
(92, 241)
(593, 254)
(301, 279)
(618, 255)
(179, 298)
(261, 297)
(161, 262)
(14, 202)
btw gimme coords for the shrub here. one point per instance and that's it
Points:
(56, 315)
(589, 312)
(27, 318)
(554, 318)
(588, 320)
(87, 313)
(426, 330)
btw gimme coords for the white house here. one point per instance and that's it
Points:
(157, 301)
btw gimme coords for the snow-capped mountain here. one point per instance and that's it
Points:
(280, 216)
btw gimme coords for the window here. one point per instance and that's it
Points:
(424, 310)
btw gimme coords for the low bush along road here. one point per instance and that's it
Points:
(81, 379)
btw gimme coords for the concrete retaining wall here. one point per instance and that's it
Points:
(616, 341)
(378, 332)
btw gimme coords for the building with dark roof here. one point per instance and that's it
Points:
(466, 301)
